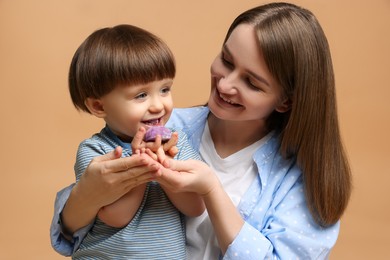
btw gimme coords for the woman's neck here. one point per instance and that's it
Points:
(230, 137)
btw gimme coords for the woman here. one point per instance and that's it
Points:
(279, 179)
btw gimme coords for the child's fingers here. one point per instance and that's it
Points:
(154, 145)
(138, 139)
(161, 155)
(151, 154)
(172, 142)
(172, 151)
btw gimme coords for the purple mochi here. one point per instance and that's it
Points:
(153, 131)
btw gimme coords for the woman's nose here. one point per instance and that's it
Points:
(228, 83)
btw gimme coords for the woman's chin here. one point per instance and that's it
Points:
(221, 111)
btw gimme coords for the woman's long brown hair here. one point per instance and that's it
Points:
(296, 51)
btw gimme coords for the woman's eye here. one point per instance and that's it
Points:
(141, 96)
(225, 61)
(252, 85)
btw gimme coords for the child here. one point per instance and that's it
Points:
(124, 75)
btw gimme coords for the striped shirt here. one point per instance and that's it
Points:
(157, 229)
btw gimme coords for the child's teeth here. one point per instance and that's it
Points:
(153, 122)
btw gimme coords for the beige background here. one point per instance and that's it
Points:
(41, 130)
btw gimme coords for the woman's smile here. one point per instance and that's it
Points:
(227, 100)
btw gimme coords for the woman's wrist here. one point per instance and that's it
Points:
(215, 191)
(212, 185)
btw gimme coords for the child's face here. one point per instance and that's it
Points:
(129, 107)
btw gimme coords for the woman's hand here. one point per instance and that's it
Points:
(109, 177)
(106, 179)
(188, 176)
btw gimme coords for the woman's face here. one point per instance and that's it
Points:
(242, 88)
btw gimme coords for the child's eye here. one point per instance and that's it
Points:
(141, 96)
(165, 90)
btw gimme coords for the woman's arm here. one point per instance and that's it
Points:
(226, 220)
(106, 179)
(195, 176)
(279, 225)
(60, 241)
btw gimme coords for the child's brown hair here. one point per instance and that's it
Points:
(117, 56)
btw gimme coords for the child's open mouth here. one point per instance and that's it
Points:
(152, 122)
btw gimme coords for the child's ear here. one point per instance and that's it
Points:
(284, 106)
(95, 107)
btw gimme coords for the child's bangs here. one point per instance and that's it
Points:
(144, 64)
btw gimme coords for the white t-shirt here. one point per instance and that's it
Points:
(236, 173)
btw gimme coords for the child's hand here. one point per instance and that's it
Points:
(170, 147)
(138, 143)
(157, 150)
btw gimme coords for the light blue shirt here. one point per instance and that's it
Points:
(278, 224)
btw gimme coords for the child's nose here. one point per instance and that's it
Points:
(156, 105)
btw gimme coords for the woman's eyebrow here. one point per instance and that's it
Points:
(258, 77)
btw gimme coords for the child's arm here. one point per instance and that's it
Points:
(122, 211)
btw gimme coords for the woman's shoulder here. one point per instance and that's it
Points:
(186, 117)
(271, 163)
(191, 121)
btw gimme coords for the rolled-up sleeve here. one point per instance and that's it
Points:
(280, 241)
(288, 231)
(58, 241)
(249, 244)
